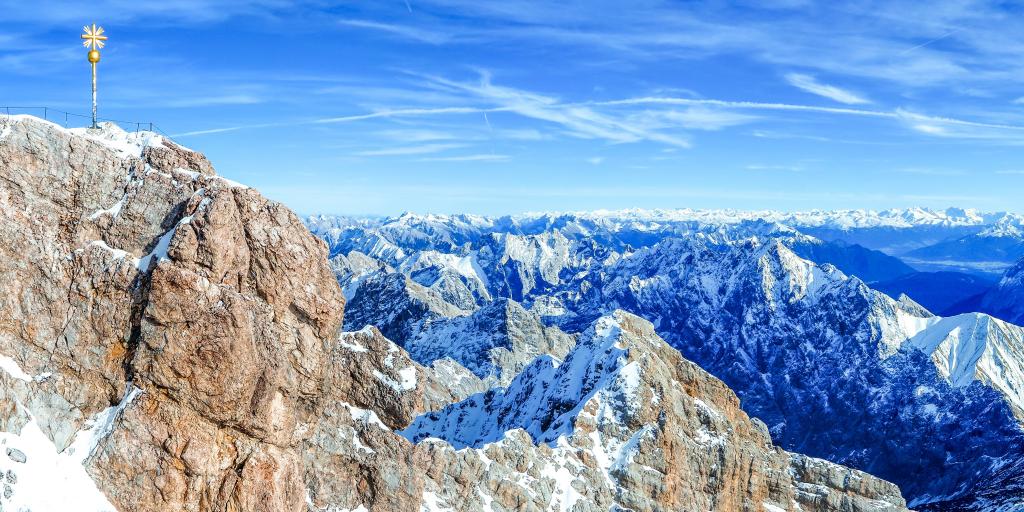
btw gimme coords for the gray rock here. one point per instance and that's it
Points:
(16, 455)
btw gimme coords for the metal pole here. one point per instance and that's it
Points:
(94, 95)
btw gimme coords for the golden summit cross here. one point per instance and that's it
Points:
(93, 39)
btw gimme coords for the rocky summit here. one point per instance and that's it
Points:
(172, 340)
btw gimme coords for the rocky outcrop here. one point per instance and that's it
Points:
(495, 342)
(128, 264)
(626, 423)
(397, 305)
(170, 340)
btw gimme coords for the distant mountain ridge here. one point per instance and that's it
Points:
(1006, 299)
(943, 293)
(616, 220)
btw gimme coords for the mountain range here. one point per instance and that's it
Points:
(834, 368)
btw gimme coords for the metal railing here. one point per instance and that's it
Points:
(73, 120)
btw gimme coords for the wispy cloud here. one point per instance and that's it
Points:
(747, 105)
(468, 158)
(410, 150)
(1011, 172)
(923, 123)
(695, 117)
(766, 167)
(930, 41)
(416, 34)
(810, 84)
(415, 135)
(928, 171)
(597, 160)
(578, 120)
(226, 129)
(656, 119)
(208, 101)
(119, 11)
(405, 112)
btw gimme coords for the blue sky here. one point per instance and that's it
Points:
(500, 107)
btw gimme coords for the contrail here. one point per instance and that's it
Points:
(940, 38)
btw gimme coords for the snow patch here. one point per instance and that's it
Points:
(351, 345)
(406, 379)
(162, 245)
(13, 369)
(125, 144)
(46, 470)
(433, 503)
(367, 417)
(112, 211)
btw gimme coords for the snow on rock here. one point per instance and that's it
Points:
(528, 402)
(365, 416)
(40, 469)
(495, 342)
(976, 347)
(406, 379)
(13, 369)
(600, 432)
(124, 143)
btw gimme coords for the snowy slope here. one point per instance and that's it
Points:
(976, 347)
(33, 466)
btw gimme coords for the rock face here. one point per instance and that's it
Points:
(128, 264)
(170, 340)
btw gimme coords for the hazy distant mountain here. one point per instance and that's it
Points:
(943, 293)
(990, 251)
(1006, 299)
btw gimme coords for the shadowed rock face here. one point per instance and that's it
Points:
(1006, 299)
(189, 328)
